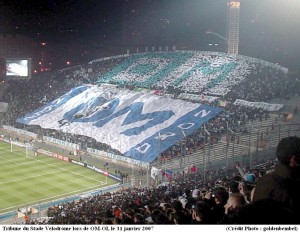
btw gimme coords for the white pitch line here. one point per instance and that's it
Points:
(49, 198)
(53, 197)
(64, 169)
(18, 163)
(11, 161)
(30, 177)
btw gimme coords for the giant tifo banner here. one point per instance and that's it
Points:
(139, 125)
(258, 105)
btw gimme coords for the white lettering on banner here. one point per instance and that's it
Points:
(98, 170)
(40, 113)
(78, 163)
(94, 168)
(90, 167)
(144, 148)
(163, 137)
(114, 157)
(121, 115)
(259, 105)
(57, 141)
(203, 113)
(190, 125)
(123, 111)
(199, 98)
(19, 131)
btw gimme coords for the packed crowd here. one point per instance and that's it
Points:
(233, 118)
(193, 72)
(265, 86)
(26, 96)
(40, 90)
(267, 194)
(222, 197)
(47, 87)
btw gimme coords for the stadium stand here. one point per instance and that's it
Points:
(207, 75)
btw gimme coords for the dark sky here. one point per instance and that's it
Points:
(269, 29)
(56, 19)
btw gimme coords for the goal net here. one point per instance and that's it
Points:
(26, 149)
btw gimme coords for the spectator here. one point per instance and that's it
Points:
(128, 216)
(264, 211)
(138, 219)
(219, 198)
(245, 189)
(234, 203)
(285, 176)
(180, 215)
(200, 213)
(249, 177)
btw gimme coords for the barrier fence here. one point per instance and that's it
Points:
(257, 143)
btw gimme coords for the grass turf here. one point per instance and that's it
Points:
(28, 180)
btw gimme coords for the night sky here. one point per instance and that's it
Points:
(269, 29)
(57, 19)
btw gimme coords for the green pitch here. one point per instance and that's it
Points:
(28, 180)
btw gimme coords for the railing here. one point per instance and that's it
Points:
(249, 147)
(256, 145)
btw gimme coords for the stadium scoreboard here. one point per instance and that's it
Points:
(17, 68)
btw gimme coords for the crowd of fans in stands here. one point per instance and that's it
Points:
(266, 83)
(40, 90)
(266, 194)
(191, 201)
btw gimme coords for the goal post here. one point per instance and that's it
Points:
(23, 148)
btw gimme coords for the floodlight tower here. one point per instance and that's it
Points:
(233, 26)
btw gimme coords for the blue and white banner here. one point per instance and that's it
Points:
(139, 125)
(259, 105)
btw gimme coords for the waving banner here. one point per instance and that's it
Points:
(139, 125)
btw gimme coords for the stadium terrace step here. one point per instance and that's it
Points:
(258, 140)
